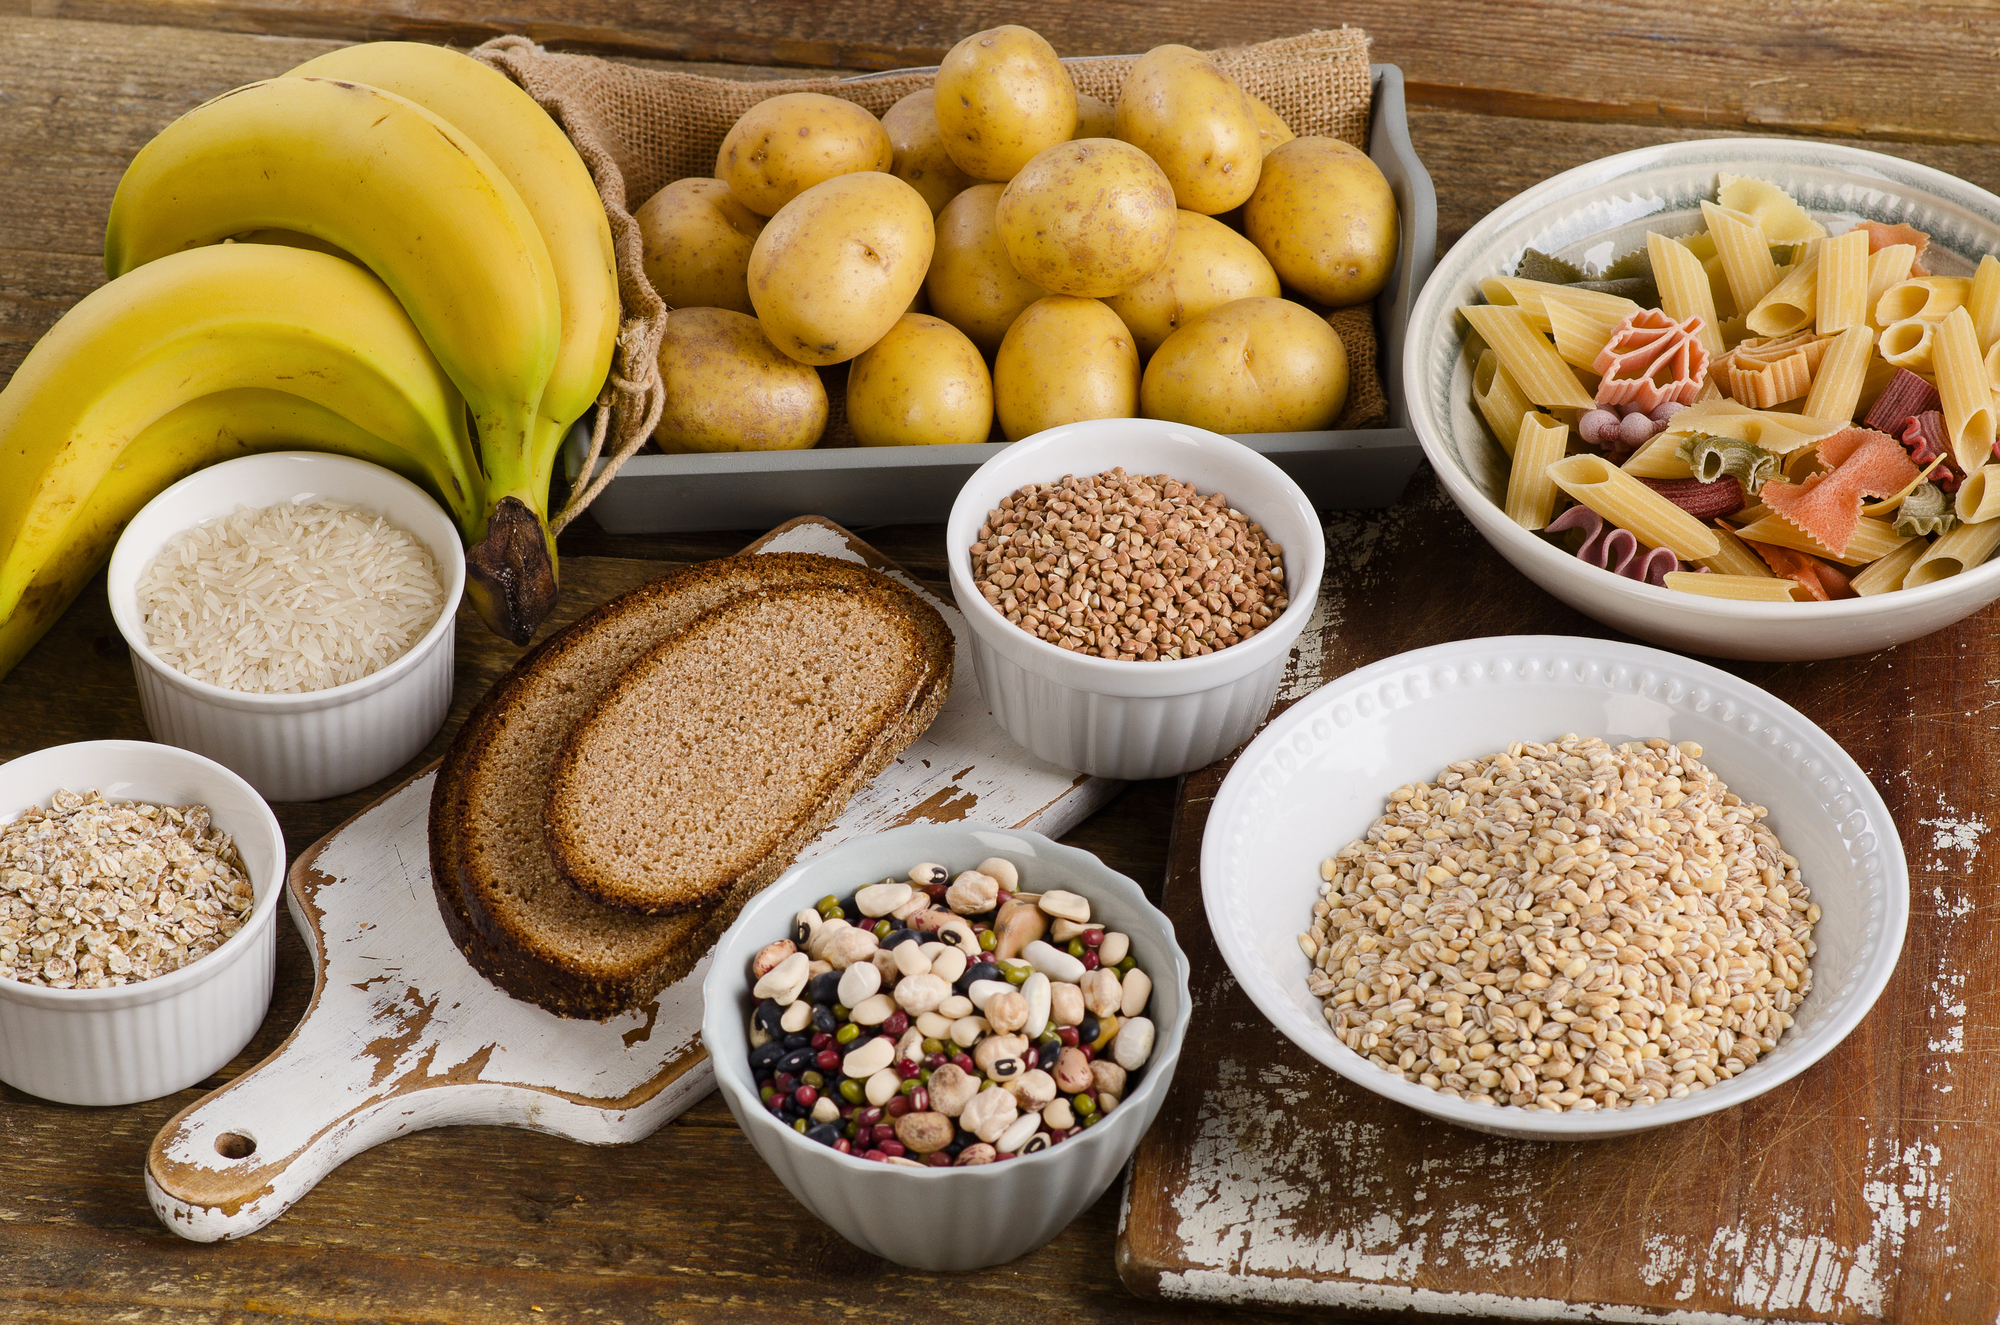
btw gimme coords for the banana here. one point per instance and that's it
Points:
(203, 432)
(192, 324)
(408, 195)
(536, 157)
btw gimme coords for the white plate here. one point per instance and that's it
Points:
(1590, 215)
(1321, 772)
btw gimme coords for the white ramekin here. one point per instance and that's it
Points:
(948, 1218)
(141, 1041)
(323, 743)
(1135, 719)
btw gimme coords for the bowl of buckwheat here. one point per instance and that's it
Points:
(1134, 588)
(139, 891)
(947, 1039)
(1555, 888)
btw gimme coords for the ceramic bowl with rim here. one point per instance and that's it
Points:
(1135, 719)
(141, 1041)
(295, 747)
(1590, 215)
(946, 1218)
(1320, 774)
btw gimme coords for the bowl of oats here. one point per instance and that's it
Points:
(139, 891)
(1555, 888)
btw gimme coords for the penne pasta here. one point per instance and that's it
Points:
(1836, 388)
(1993, 367)
(1582, 328)
(1963, 388)
(1529, 297)
(1735, 557)
(1745, 254)
(1887, 574)
(1872, 539)
(1684, 290)
(1531, 491)
(1926, 297)
(1792, 301)
(1886, 267)
(1979, 495)
(1843, 284)
(1960, 550)
(1498, 399)
(1747, 588)
(1529, 359)
(1659, 458)
(1982, 301)
(1626, 502)
(1907, 344)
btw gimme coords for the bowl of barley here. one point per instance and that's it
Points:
(139, 896)
(1134, 588)
(1555, 888)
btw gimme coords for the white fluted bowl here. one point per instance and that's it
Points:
(1597, 211)
(946, 1218)
(141, 1041)
(1319, 775)
(323, 743)
(1135, 719)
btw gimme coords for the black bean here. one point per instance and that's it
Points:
(798, 1060)
(1046, 1054)
(768, 1017)
(826, 1133)
(824, 989)
(850, 910)
(764, 1058)
(962, 1138)
(1087, 1032)
(975, 971)
(824, 1021)
(798, 1040)
(896, 936)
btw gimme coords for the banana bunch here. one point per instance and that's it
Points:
(417, 244)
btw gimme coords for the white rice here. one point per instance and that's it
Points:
(295, 597)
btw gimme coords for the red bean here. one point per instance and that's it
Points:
(908, 1067)
(876, 1155)
(1093, 937)
(938, 1160)
(920, 1100)
(828, 1060)
(1090, 962)
(894, 1148)
(822, 1041)
(844, 1146)
(806, 1097)
(895, 1024)
(882, 1132)
(1067, 1034)
(898, 1106)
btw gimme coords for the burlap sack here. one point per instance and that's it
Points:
(640, 129)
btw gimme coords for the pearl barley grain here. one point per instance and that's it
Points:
(1128, 567)
(1565, 926)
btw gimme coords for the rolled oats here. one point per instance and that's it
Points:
(1564, 926)
(95, 894)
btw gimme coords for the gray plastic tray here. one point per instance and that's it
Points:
(1357, 469)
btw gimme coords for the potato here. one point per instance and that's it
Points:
(1210, 265)
(1323, 214)
(838, 264)
(695, 241)
(1095, 118)
(1003, 96)
(784, 146)
(1193, 119)
(972, 284)
(1255, 365)
(922, 384)
(729, 389)
(1089, 218)
(921, 161)
(1064, 359)
(1271, 127)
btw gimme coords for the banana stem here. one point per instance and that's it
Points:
(510, 575)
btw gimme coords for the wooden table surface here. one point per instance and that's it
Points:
(490, 1225)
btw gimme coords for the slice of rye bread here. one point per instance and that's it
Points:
(721, 753)
(505, 907)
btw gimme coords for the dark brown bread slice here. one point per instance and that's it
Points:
(500, 898)
(733, 739)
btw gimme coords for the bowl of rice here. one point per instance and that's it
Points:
(290, 616)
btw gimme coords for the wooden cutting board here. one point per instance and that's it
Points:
(402, 1034)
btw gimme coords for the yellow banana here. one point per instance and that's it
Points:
(189, 325)
(203, 432)
(408, 195)
(536, 157)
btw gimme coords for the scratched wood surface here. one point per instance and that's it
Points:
(481, 1225)
(1863, 1190)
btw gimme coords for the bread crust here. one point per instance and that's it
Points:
(469, 874)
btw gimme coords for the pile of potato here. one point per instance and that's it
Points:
(1105, 261)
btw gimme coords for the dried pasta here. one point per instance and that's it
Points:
(1979, 496)
(1746, 588)
(1908, 344)
(1963, 389)
(1531, 489)
(1630, 504)
(1836, 387)
(1928, 298)
(1886, 573)
(1982, 301)
(1734, 557)
(1745, 254)
(1685, 294)
(1843, 283)
(1887, 267)
(1498, 399)
(1529, 359)
(1792, 303)
(1960, 550)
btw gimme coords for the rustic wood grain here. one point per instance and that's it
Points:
(1856, 1192)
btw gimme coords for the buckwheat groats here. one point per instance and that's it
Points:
(1129, 567)
(1564, 926)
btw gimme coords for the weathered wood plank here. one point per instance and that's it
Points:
(1846, 71)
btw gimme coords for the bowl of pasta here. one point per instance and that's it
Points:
(1736, 397)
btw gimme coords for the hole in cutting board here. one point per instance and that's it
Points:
(234, 1145)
